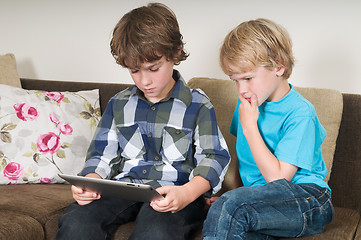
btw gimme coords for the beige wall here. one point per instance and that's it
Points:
(69, 40)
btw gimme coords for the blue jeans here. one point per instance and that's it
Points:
(99, 219)
(277, 209)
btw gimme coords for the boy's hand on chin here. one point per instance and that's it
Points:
(176, 198)
(248, 111)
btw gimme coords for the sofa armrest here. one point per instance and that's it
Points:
(345, 180)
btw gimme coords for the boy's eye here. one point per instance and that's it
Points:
(154, 69)
(134, 71)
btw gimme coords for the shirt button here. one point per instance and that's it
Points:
(178, 132)
(156, 158)
(144, 171)
(153, 108)
(150, 135)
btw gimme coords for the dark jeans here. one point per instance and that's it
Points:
(99, 219)
(279, 208)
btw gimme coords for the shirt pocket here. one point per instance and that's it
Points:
(175, 143)
(131, 142)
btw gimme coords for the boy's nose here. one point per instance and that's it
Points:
(145, 79)
(242, 87)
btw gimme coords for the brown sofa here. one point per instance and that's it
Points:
(30, 211)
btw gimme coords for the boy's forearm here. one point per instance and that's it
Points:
(270, 167)
(196, 187)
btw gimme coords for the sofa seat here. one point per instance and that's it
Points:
(343, 227)
(36, 205)
(19, 226)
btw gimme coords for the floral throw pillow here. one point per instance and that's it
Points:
(44, 133)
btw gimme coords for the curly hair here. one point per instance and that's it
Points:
(146, 34)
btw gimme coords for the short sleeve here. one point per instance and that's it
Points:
(300, 142)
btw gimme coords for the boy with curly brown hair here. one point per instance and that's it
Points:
(158, 132)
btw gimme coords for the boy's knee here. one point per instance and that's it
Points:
(79, 227)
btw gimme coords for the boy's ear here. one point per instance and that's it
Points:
(280, 71)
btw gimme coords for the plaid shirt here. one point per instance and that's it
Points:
(165, 143)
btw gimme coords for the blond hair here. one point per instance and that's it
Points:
(255, 43)
(146, 34)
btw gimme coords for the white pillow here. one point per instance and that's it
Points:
(44, 133)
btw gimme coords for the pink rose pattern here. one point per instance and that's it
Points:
(45, 180)
(63, 127)
(55, 96)
(13, 171)
(25, 112)
(48, 143)
(53, 118)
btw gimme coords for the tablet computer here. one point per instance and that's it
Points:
(112, 188)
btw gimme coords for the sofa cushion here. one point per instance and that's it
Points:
(344, 226)
(40, 205)
(124, 231)
(44, 133)
(39, 201)
(16, 226)
(8, 71)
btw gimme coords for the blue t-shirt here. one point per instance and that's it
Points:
(292, 131)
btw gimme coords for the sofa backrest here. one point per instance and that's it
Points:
(106, 90)
(224, 95)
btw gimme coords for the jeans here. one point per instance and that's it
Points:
(99, 219)
(277, 209)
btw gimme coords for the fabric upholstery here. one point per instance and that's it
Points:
(343, 227)
(19, 226)
(345, 180)
(39, 201)
(8, 70)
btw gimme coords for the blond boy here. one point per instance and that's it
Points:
(278, 144)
